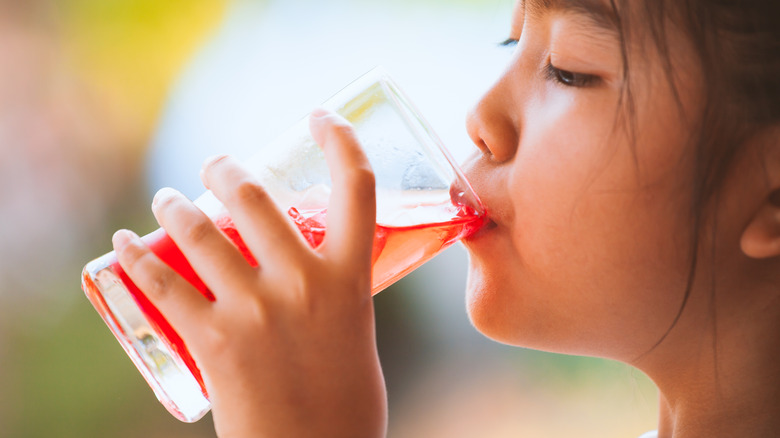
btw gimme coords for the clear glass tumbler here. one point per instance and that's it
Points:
(424, 204)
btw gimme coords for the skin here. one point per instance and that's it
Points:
(289, 348)
(592, 231)
(588, 251)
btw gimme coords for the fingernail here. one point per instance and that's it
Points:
(163, 194)
(319, 113)
(208, 161)
(122, 237)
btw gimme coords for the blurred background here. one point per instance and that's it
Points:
(103, 102)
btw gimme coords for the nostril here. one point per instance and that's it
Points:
(483, 147)
(493, 133)
(476, 136)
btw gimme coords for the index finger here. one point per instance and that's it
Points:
(352, 205)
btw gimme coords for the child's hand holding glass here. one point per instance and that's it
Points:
(288, 347)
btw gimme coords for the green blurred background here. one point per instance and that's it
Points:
(91, 95)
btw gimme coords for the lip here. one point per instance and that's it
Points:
(484, 230)
(466, 196)
(461, 193)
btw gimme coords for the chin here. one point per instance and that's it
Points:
(484, 305)
(489, 288)
(507, 315)
(502, 301)
(503, 307)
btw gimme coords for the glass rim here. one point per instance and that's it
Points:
(420, 126)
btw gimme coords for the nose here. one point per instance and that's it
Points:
(491, 124)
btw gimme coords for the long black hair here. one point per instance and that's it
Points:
(737, 44)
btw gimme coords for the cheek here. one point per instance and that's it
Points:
(554, 171)
(585, 192)
(580, 222)
(596, 248)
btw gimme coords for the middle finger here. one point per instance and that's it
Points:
(213, 257)
(268, 232)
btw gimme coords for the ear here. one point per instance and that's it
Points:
(761, 238)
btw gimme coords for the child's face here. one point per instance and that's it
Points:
(589, 252)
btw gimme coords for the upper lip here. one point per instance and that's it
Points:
(481, 179)
(461, 195)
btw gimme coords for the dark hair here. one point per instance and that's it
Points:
(737, 43)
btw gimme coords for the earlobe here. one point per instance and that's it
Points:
(761, 238)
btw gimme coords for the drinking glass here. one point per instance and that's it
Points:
(424, 205)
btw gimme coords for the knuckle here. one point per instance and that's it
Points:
(258, 310)
(214, 337)
(363, 176)
(161, 283)
(362, 182)
(146, 270)
(250, 191)
(199, 230)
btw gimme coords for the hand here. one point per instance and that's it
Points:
(288, 348)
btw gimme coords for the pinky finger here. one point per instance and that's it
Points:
(181, 304)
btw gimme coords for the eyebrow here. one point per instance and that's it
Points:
(600, 13)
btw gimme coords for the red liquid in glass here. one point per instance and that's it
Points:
(397, 251)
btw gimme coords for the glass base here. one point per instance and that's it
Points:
(170, 379)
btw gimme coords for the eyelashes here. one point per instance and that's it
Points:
(560, 76)
(569, 78)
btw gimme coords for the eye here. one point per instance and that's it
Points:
(569, 78)
(509, 42)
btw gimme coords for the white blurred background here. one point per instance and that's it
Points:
(104, 102)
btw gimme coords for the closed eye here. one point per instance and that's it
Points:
(563, 77)
(570, 78)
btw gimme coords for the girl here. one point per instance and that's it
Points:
(629, 158)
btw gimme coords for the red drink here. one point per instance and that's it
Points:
(422, 199)
(397, 251)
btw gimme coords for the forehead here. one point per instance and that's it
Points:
(601, 13)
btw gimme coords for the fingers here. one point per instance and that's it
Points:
(183, 306)
(218, 263)
(352, 207)
(268, 232)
